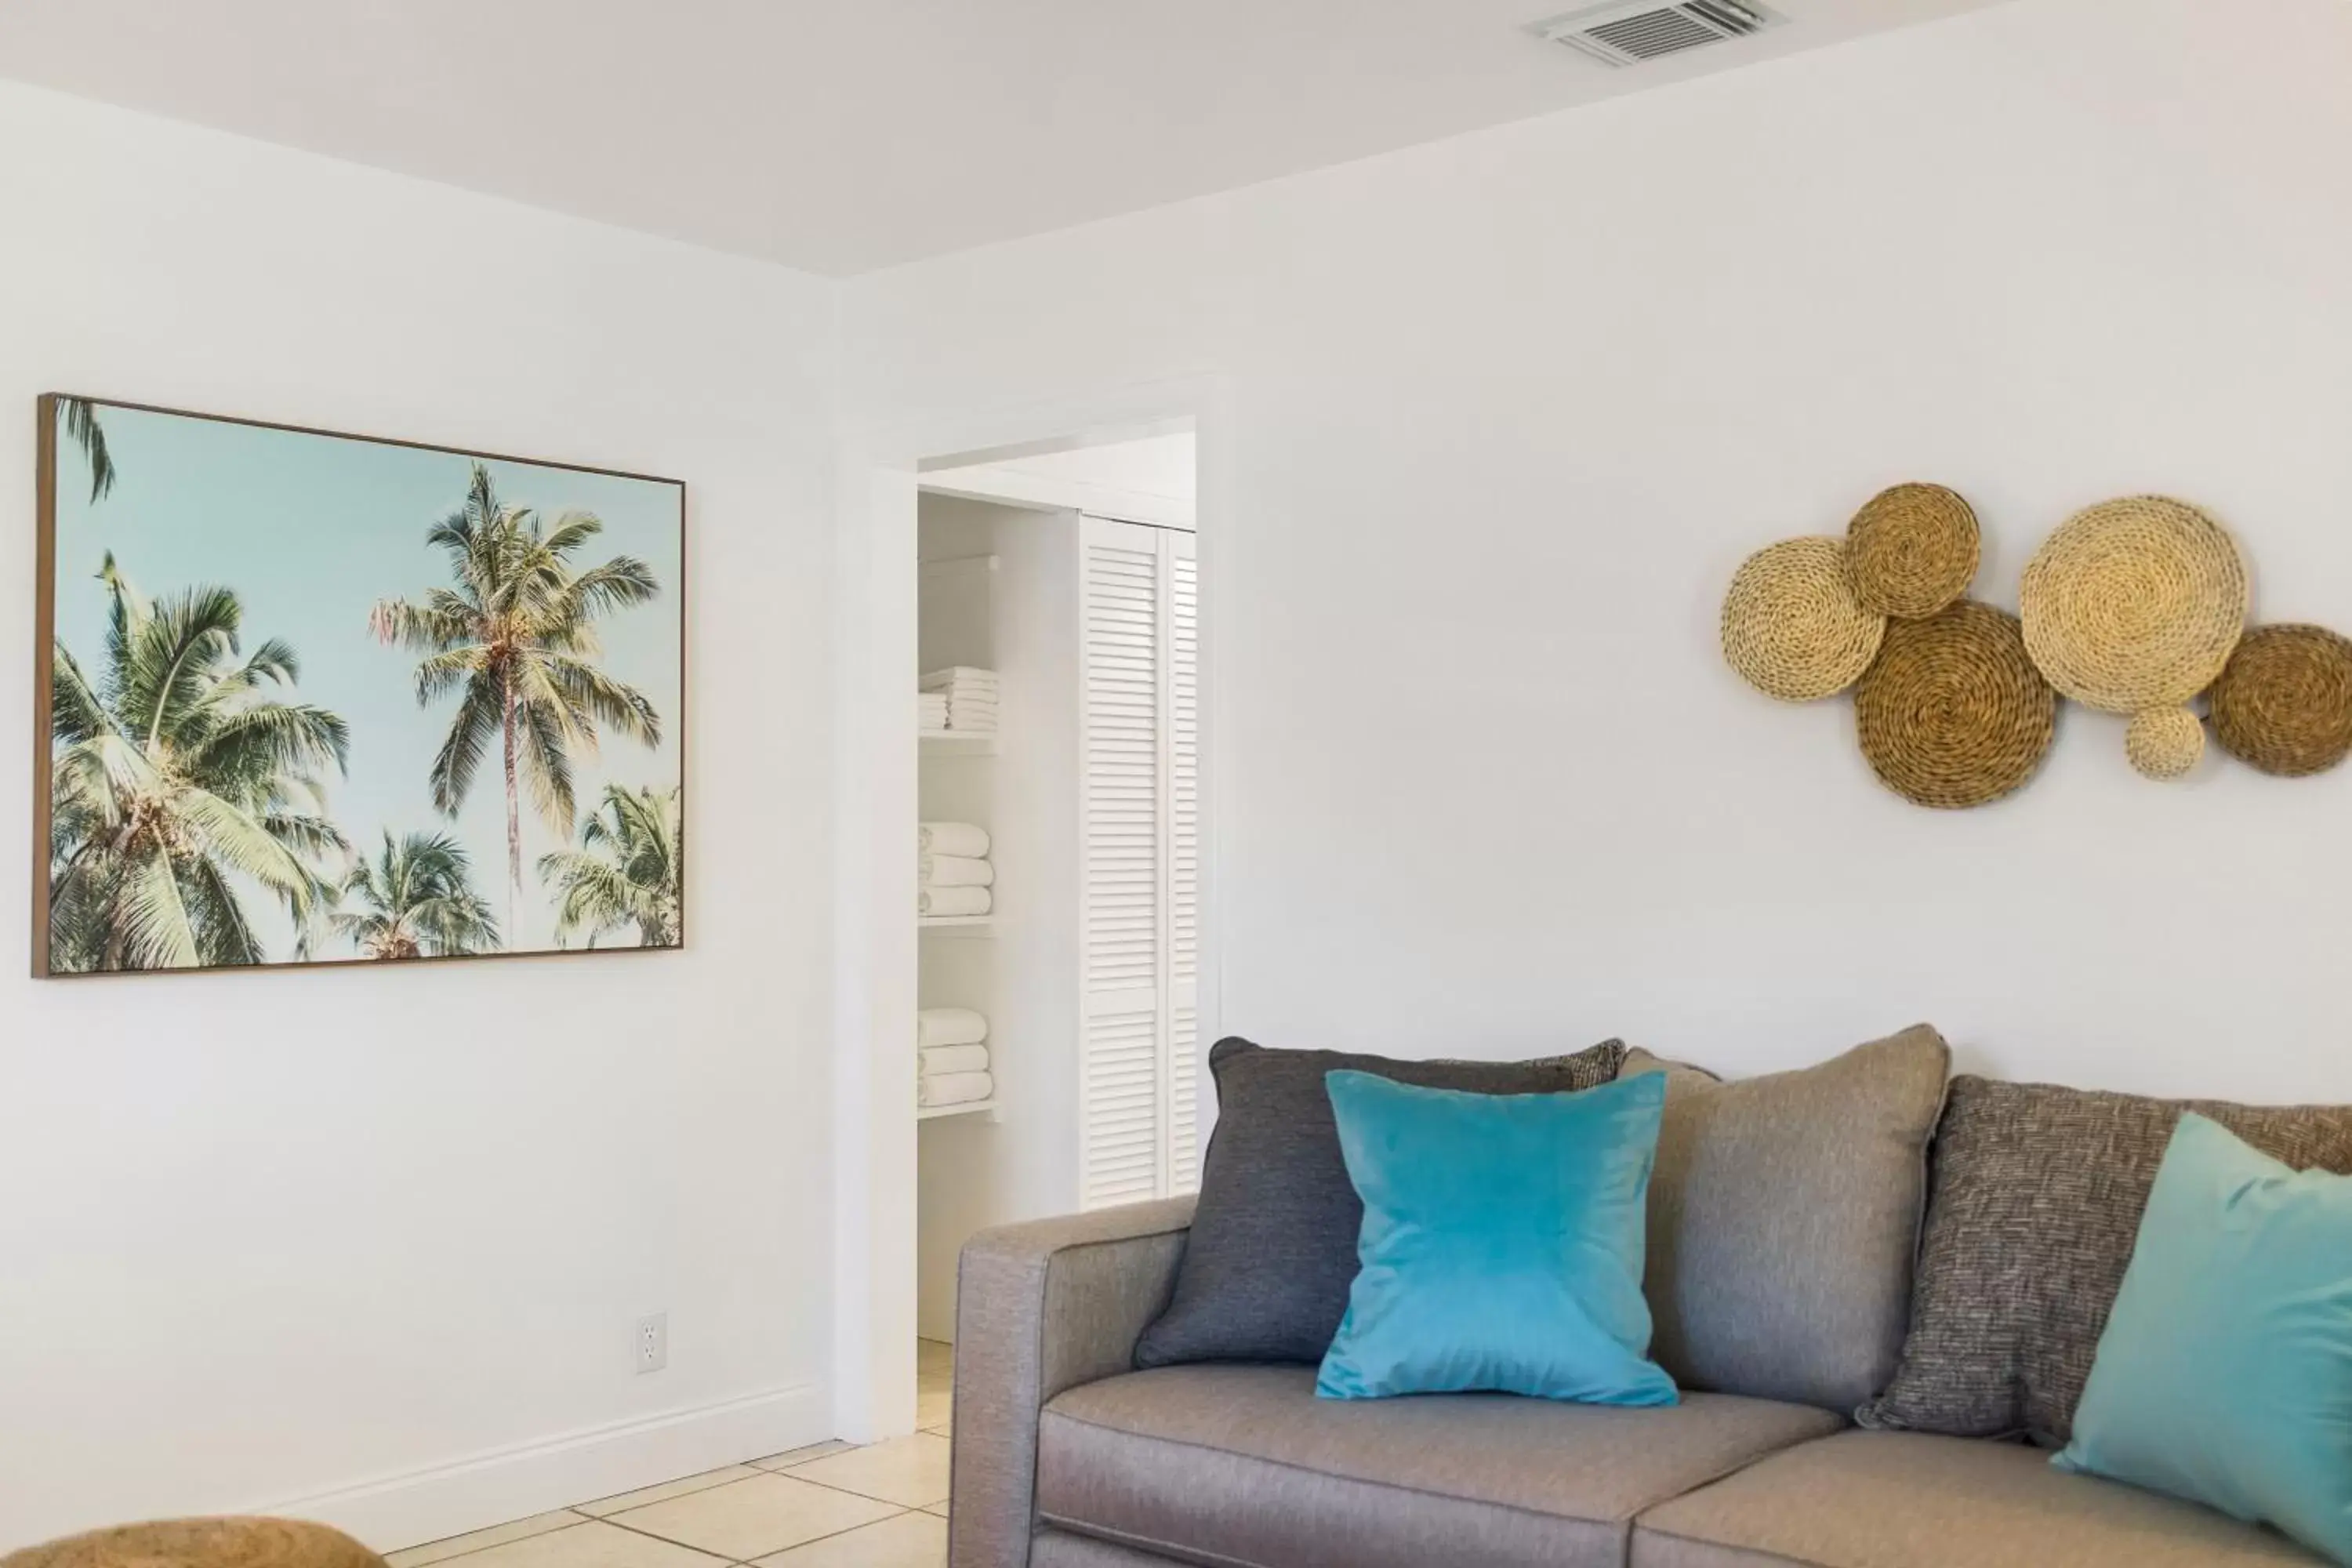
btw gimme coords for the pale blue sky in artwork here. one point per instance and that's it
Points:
(311, 531)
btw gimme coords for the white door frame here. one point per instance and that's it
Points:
(874, 794)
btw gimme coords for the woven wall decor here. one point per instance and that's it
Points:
(1953, 714)
(2134, 604)
(2163, 742)
(1913, 550)
(2285, 702)
(1792, 625)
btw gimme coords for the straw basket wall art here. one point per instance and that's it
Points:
(2136, 607)
(2283, 703)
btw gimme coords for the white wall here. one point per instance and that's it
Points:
(369, 1244)
(1507, 411)
(1149, 479)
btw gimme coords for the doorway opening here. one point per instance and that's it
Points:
(1058, 839)
(1046, 546)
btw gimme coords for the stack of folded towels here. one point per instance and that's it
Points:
(951, 1046)
(930, 711)
(956, 875)
(970, 697)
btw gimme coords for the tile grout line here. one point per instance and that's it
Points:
(578, 1518)
(744, 1562)
(579, 1515)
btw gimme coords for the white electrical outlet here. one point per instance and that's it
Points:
(653, 1342)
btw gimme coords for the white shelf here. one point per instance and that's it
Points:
(953, 922)
(958, 742)
(934, 1112)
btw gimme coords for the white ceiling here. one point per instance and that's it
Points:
(843, 135)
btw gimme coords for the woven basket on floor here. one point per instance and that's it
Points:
(2163, 742)
(2285, 702)
(1913, 550)
(1791, 627)
(2134, 604)
(1953, 714)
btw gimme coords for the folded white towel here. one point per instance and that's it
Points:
(952, 838)
(937, 902)
(955, 871)
(971, 724)
(961, 675)
(948, 1026)
(961, 710)
(955, 1088)
(941, 1060)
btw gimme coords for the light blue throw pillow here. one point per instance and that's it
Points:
(1502, 1242)
(2225, 1372)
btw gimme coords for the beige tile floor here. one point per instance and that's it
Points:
(831, 1506)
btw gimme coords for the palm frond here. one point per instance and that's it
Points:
(617, 585)
(548, 735)
(176, 655)
(441, 673)
(422, 628)
(223, 934)
(76, 712)
(241, 842)
(592, 897)
(615, 704)
(150, 921)
(480, 712)
(571, 529)
(274, 661)
(272, 739)
(80, 415)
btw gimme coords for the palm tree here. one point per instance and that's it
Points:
(79, 417)
(630, 869)
(515, 637)
(416, 902)
(175, 774)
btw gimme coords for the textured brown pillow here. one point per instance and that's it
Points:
(2037, 1198)
(1272, 1251)
(1784, 1214)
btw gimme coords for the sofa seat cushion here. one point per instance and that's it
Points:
(1908, 1499)
(1241, 1467)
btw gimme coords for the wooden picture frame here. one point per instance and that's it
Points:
(210, 794)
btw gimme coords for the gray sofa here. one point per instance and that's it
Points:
(1067, 1457)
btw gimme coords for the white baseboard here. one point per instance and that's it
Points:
(491, 1488)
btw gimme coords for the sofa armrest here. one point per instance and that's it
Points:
(1042, 1307)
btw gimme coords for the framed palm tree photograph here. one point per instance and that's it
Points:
(312, 698)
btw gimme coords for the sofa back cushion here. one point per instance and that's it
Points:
(2038, 1197)
(1273, 1246)
(1784, 1217)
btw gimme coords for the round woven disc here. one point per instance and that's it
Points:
(1791, 627)
(2163, 742)
(1953, 714)
(2134, 604)
(2285, 702)
(1913, 550)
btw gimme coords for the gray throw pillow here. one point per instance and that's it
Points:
(1784, 1215)
(1272, 1251)
(2036, 1205)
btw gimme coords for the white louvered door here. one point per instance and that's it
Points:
(1183, 864)
(1141, 859)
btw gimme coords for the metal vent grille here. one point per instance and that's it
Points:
(1628, 33)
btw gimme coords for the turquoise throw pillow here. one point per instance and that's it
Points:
(1502, 1242)
(2225, 1372)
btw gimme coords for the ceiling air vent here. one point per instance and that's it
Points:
(1626, 34)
